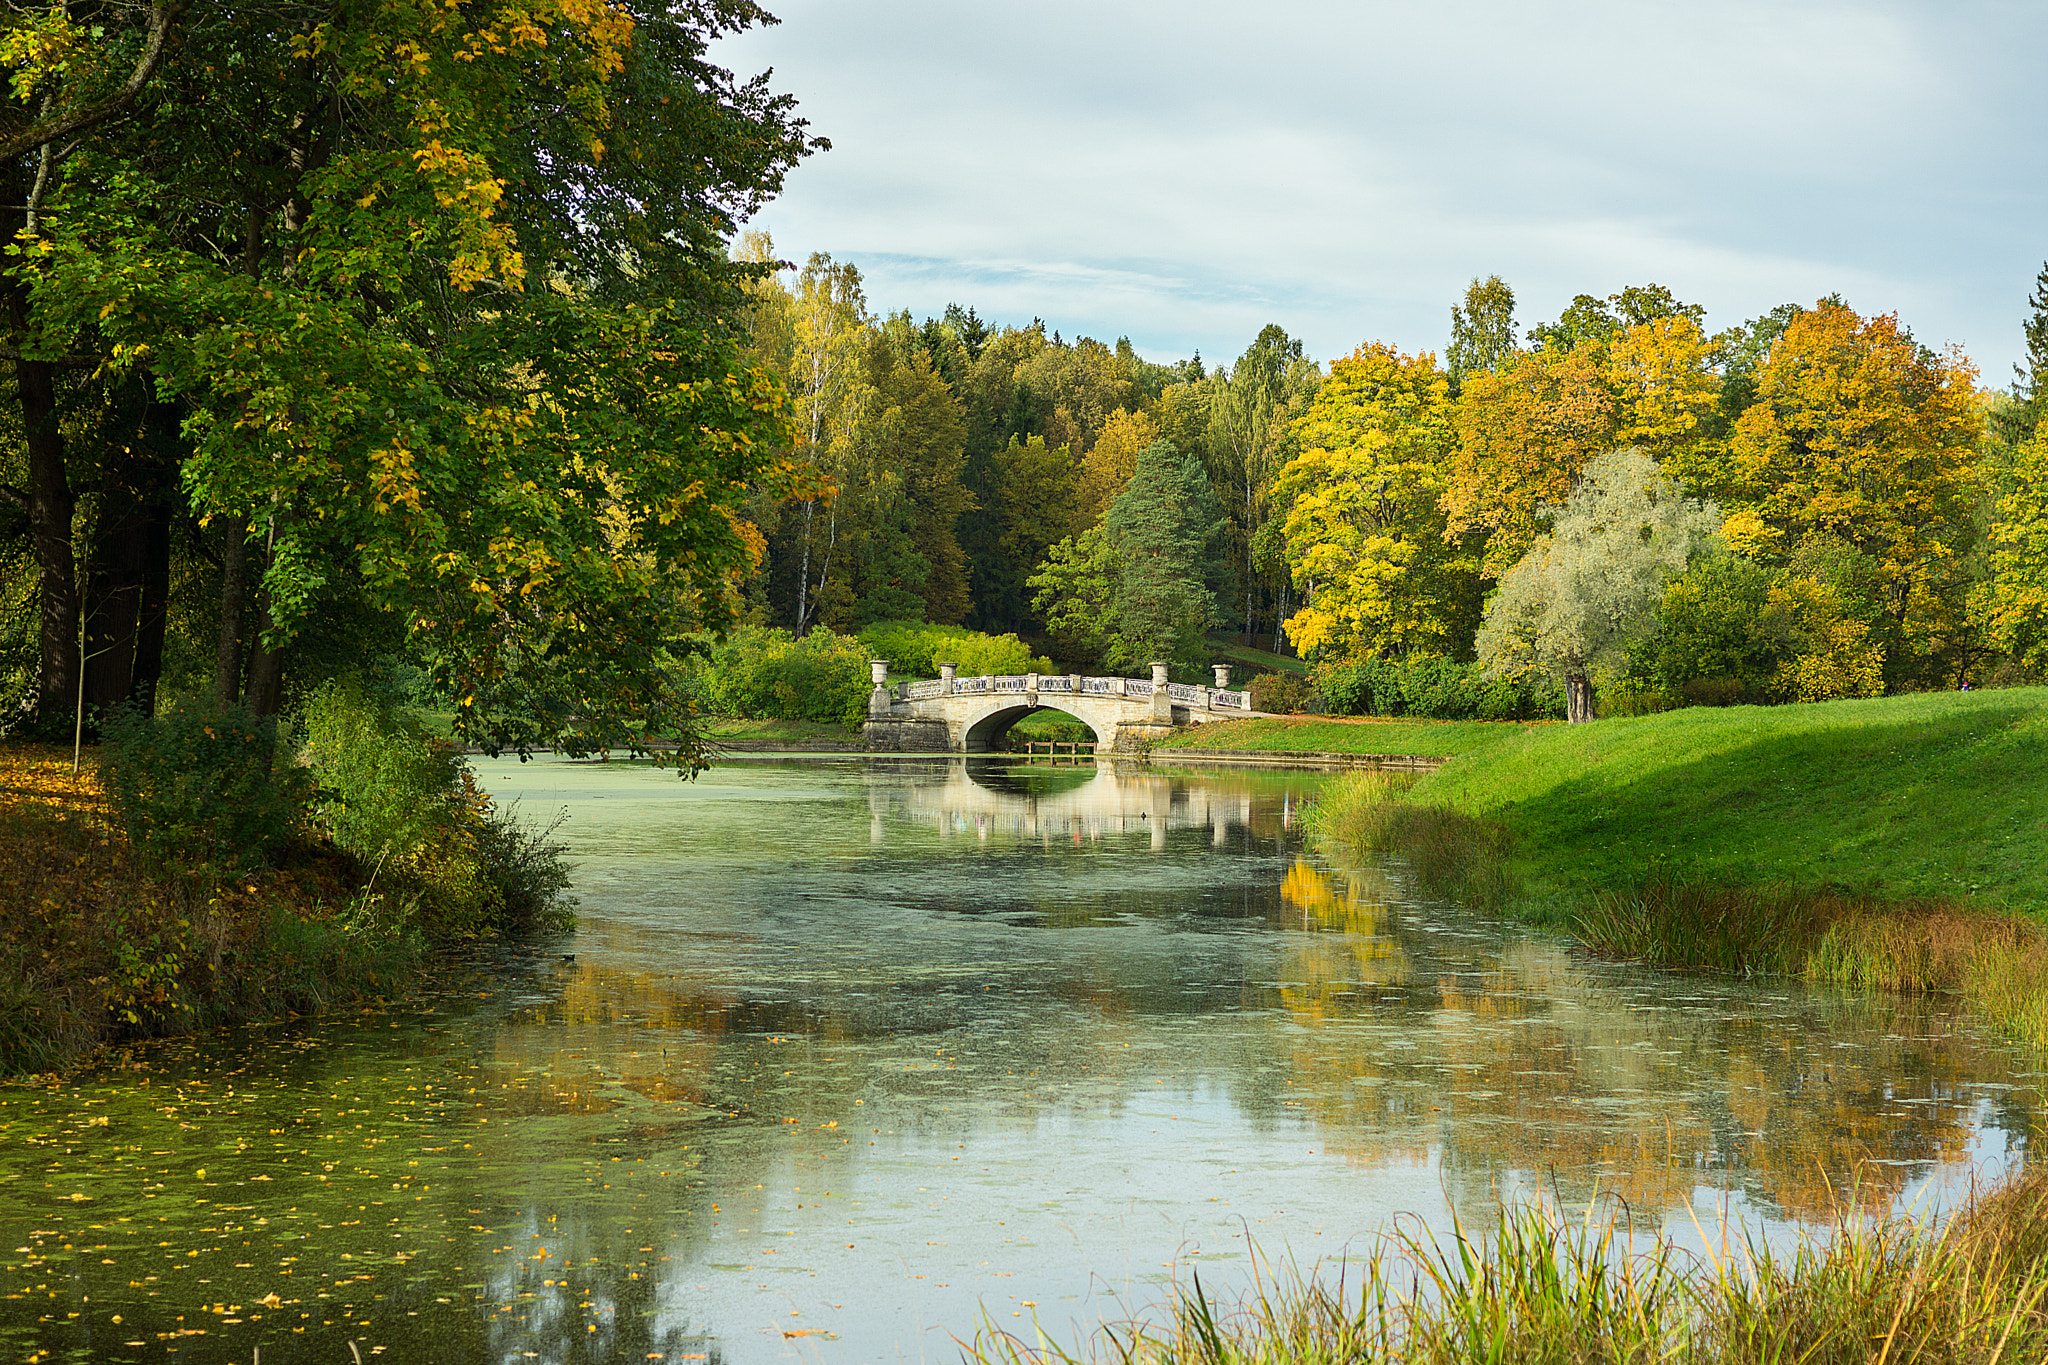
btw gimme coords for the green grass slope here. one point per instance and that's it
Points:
(1316, 734)
(1942, 795)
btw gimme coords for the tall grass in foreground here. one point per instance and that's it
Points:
(1543, 1291)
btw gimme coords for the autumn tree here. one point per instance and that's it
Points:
(831, 396)
(1862, 435)
(1524, 433)
(432, 305)
(1365, 526)
(1248, 440)
(2013, 600)
(1111, 461)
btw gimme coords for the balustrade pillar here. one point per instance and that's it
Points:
(947, 674)
(879, 699)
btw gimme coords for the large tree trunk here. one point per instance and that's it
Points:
(1578, 700)
(51, 503)
(51, 506)
(234, 589)
(264, 690)
(128, 588)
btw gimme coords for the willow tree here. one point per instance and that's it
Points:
(1589, 589)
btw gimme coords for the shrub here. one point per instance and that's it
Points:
(1285, 694)
(200, 788)
(384, 785)
(403, 804)
(761, 673)
(1626, 698)
(1717, 692)
(916, 649)
(527, 870)
(1433, 688)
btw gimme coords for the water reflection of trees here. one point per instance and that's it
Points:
(1540, 1068)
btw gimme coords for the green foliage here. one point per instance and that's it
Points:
(915, 649)
(1284, 694)
(201, 787)
(1433, 687)
(1482, 332)
(1136, 588)
(528, 873)
(383, 783)
(438, 854)
(762, 673)
(1709, 647)
(476, 377)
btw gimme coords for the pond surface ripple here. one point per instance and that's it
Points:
(850, 1058)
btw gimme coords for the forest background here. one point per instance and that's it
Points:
(1868, 519)
(428, 351)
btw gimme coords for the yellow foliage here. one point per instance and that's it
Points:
(1667, 396)
(1365, 526)
(1107, 467)
(1857, 434)
(1524, 433)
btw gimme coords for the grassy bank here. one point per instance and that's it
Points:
(95, 946)
(731, 731)
(138, 917)
(1319, 734)
(1899, 842)
(1538, 1290)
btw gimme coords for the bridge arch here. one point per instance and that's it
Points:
(986, 731)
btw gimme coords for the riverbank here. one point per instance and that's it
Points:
(1355, 736)
(1897, 842)
(1539, 1288)
(97, 947)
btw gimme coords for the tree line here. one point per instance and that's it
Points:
(1863, 516)
(425, 341)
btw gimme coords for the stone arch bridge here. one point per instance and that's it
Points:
(972, 714)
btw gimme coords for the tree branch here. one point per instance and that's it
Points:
(163, 14)
(56, 362)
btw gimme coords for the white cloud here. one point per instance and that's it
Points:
(1184, 174)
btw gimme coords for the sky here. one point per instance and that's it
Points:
(1184, 174)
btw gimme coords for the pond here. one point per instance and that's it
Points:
(851, 1059)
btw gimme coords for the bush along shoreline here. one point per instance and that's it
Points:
(203, 868)
(1543, 826)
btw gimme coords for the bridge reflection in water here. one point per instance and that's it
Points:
(992, 798)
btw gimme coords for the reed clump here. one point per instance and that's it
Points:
(1450, 854)
(1996, 961)
(1541, 1290)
